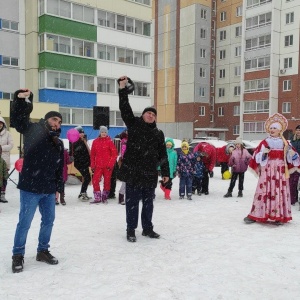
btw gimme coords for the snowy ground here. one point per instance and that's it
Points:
(205, 251)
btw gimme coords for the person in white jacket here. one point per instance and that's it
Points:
(6, 141)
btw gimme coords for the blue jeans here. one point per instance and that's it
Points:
(185, 183)
(28, 204)
(133, 196)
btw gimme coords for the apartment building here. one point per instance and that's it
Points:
(73, 52)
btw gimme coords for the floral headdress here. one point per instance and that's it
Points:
(278, 120)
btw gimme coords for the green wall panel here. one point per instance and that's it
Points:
(67, 63)
(69, 28)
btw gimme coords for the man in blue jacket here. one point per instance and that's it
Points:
(145, 151)
(40, 179)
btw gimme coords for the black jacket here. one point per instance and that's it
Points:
(81, 154)
(145, 149)
(43, 154)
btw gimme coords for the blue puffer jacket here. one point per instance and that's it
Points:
(186, 164)
(199, 167)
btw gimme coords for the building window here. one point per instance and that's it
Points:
(222, 54)
(257, 85)
(203, 13)
(222, 73)
(254, 127)
(239, 11)
(237, 71)
(221, 111)
(236, 129)
(260, 106)
(286, 107)
(9, 25)
(288, 62)
(287, 85)
(258, 63)
(238, 31)
(222, 35)
(202, 53)
(211, 118)
(202, 72)
(236, 110)
(238, 51)
(202, 111)
(10, 61)
(202, 91)
(221, 92)
(223, 16)
(288, 40)
(257, 2)
(202, 33)
(289, 18)
(237, 91)
(258, 42)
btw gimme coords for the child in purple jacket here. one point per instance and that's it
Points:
(238, 162)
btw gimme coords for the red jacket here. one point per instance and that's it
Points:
(222, 156)
(209, 159)
(103, 153)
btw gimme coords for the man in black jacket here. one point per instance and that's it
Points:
(144, 152)
(40, 179)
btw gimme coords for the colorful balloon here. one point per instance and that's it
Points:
(19, 164)
(73, 135)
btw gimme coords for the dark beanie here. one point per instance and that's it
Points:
(298, 127)
(152, 109)
(52, 114)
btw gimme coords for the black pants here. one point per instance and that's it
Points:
(113, 180)
(234, 177)
(205, 182)
(224, 167)
(85, 173)
(197, 184)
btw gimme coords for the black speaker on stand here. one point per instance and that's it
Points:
(100, 116)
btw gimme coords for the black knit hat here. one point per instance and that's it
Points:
(298, 127)
(52, 114)
(150, 108)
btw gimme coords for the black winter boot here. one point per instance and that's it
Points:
(46, 257)
(121, 199)
(150, 233)
(131, 235)
(17, 263)
(240, 194)
(229, 194)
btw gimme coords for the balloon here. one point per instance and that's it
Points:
(73, 135)
(227, 175)
(19, 164)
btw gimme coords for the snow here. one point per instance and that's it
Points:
(206, 251)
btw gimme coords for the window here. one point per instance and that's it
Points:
(202, 33)
(257, 2)
(202, 72)
(289, 18)
(236, 129)
(142, 89)
(238, 51)
(236, 110)
(288, 40)
(287, 85)
(260, 106)
(238, 31)
(258, 42)
(254, 127)
(255, 63)
(203, 13)
(221, 111)
(106, 85)
(288, 62)
(239, 11)
(222, 35)
(286, 107)
(221, 92)
(120, 22)
(223, 16)
(237, 71)
(222, 54)
(237, 91)
(202, 53)
(10, 61)
(76, 116)
(257, 85)
(211, 118)
(202, 91)
(222, 73)
(202, 111)
(10, 25)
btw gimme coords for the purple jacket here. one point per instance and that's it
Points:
(239, 160)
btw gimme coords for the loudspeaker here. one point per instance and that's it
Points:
(100, 116)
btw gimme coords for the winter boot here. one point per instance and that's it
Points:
(121, 199)
(150, 233)
(247, 220)
(131, 235)
(189, 197)
(62, 199)
(229, 194)
(46, 257)
(105, 196)
(84, 197)
(97, 197)
(240, 194)
(2, 198)
(17, 263)
(167, 194)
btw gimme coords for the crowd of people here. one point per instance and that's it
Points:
(145, 158)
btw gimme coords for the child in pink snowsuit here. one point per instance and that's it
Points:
(103, 158)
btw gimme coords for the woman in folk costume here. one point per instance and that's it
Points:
(271, 161)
